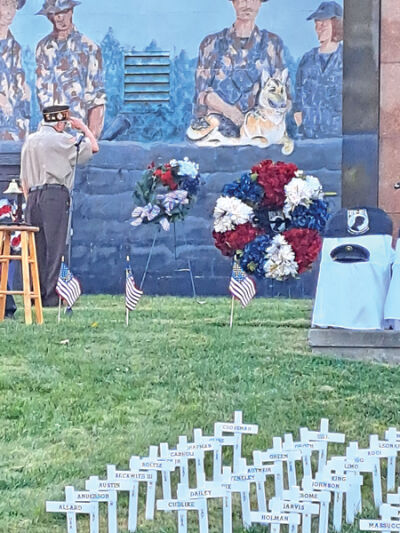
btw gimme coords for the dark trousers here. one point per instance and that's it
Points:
(48, 209)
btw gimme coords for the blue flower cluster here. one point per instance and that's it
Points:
(245, 189)
(253, 257)
(313, 217)
(191, 185)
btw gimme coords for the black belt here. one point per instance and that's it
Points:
(47, 186)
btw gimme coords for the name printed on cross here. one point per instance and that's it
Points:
(251, 429)
(169, 505)
(93, 496)
(70, 507)
(379, 525)
(137, 476)
(275, 518)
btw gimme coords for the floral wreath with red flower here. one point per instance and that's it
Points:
(270, 220)
(166, 193)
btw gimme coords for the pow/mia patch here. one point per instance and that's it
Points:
(277, 221)
(357, 221)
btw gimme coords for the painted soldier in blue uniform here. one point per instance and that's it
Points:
(319, 79)
(229, 71)
(14, 92)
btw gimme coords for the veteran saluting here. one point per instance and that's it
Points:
(48, 162)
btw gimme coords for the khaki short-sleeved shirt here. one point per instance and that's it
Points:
(49, 156)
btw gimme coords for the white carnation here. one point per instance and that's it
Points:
(298, 192)
(281, 263)
(229, 212)
(316, 187)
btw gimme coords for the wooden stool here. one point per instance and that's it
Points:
(30, 271)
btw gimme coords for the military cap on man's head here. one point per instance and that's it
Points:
(327, 10)
(51, 7)
(56, 113)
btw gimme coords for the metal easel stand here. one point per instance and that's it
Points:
(189, 263)
(157, 231)
(188, 269)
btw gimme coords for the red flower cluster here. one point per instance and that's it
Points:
(164, 174)
(306, 244)
(230, 241)
(273, 177)
(16, 241)
(5, 210)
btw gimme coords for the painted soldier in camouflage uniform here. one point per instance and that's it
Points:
(14, 92)
(230, 67)
(69, 67)
(319, 78)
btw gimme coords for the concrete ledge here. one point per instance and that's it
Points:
(379, 346)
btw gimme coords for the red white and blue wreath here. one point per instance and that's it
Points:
(166, 193)
(270, 220)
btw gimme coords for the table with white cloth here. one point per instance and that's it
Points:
(352, 295)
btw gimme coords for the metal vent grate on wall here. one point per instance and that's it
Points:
(147, 77)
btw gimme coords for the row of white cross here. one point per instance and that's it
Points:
(336, 477)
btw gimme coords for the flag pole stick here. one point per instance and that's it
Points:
(126, 309)
(59, 299)
(232, 307)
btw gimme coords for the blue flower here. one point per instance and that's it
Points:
(313, 217)
(191, 185)
(245, 189)
(253, 257)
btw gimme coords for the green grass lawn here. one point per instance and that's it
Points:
(91, 392)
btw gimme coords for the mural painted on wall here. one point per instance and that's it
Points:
(239, 71)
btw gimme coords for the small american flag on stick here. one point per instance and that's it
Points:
(241, 286)
(132, 293)
(68, 287)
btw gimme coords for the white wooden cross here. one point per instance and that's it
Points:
(181, 457)
(385, 523)
(198, 450)
(324, 436)
(72, 508)
(214, 444)
(152, 463)
(261, 472)
(321, 500)
(95, 486)
(387, 450)
(128, 480)
(287, 504)
(341, 466)
(323, 497)
(338, 484)
(240, 482)
(393, 437)
(238, 428)
(276, 455)
(368, 461)
(182, 504)
(166, 476)
(276, 520)
(305, 447)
